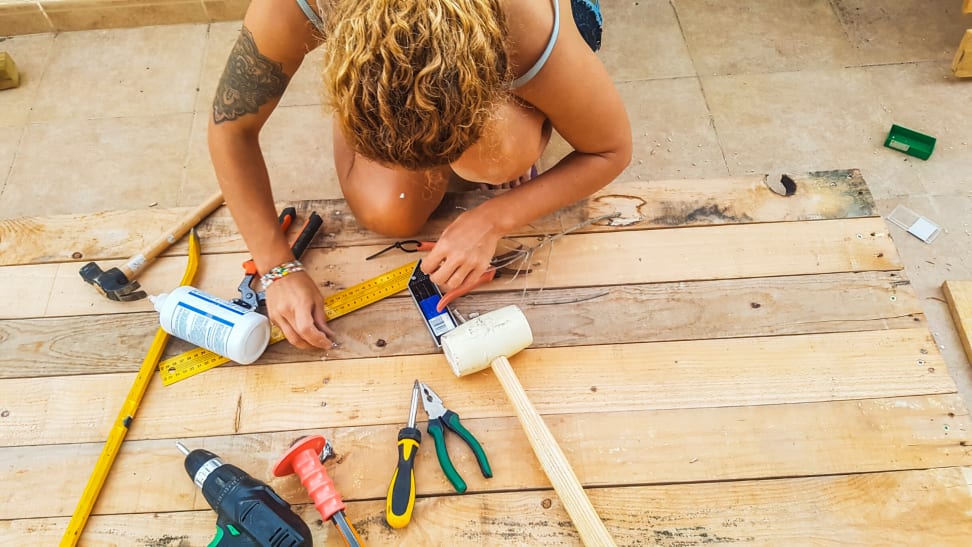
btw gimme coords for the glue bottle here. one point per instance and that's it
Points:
(222, 327)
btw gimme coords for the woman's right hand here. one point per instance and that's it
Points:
(295, 305)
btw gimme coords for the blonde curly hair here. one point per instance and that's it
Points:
(414, 82)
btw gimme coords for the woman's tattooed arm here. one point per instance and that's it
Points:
(249, 81)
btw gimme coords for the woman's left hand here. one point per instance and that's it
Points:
(463, 251)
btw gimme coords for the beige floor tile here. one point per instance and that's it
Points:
(304, 87)
(742, 36)
(124, 72)
(219, 43)
(199, 180)
(948, 257)
(83, 166)
(297, 147)
(954, 213)
(942, 327)
(896, 31)
(807, 121)
(672, 132)
(9, 140)
(643, 40)
(926, 98)
(299, 152)
(31, 54)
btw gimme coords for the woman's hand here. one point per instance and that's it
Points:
(295, 305)
(463, 251)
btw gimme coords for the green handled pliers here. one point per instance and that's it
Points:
(440, 419)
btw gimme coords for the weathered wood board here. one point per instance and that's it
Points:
(641, 205)
(722, 364)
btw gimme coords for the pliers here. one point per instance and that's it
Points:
(440, 419)
(255, 300)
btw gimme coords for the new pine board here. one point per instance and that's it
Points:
(962, 62)
(888, 508)
(959, 297)
(607, 314)
(577, 260)
(282, 397)
(121, 234)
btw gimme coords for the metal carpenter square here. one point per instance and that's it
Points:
(426, 295)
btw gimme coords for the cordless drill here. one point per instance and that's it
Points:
(248, 511)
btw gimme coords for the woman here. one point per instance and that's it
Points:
(421, 90)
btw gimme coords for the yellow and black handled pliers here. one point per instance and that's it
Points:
(440, 419)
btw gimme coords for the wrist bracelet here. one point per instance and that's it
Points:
(282, 270)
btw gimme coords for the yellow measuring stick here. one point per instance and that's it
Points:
(118, 431)
(192, 362)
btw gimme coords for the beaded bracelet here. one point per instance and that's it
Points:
(282, 270)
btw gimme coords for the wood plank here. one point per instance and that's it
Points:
(840, 302)
(966, 6)
(958, 294)
(962, 62)
(283, 397)
(824, 510)
(26, 288)
(651, 446)
(581, 260)
(120, 234)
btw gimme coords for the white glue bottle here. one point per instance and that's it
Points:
(222, 327)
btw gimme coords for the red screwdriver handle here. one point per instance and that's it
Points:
(304, 460)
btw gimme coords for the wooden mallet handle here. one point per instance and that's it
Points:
(552, 459)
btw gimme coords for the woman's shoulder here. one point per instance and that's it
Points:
(530, 27)
(284, 25)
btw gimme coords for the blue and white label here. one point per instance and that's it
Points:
(439, 322)
(201, 328)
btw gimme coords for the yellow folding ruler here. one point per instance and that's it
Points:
(192, 362)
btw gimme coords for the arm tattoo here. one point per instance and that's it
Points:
(249, 81)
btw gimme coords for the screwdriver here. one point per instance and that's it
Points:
(401, 491)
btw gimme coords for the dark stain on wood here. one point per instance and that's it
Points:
(675, 214)
(165, 541)
(693, 535)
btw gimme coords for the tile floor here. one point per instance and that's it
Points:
(111, 119)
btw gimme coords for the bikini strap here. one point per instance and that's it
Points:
(312, 15)
(535, 69)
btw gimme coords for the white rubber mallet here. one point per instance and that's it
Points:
(486, 342)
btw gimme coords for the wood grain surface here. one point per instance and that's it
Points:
(719, 363)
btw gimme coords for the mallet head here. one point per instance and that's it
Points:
(473, 345)
(113, 284)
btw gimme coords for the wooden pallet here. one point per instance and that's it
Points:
(728, 365)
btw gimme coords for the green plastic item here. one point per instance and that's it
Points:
(910, 142)
(451, 420)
